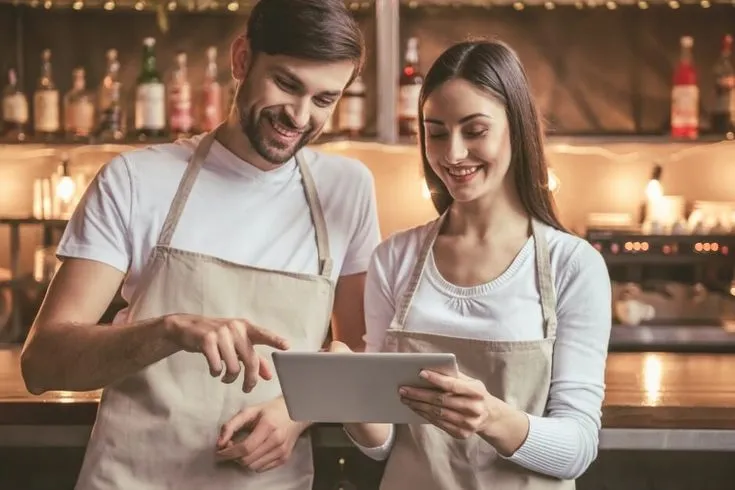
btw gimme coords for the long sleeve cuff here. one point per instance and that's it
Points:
(378, 453)
(553, 447)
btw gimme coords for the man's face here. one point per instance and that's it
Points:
(282, 102)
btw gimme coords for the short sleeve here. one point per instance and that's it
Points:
(99, 227)
(379, 302)
(366, 235)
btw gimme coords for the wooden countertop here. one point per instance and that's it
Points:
(644, 390)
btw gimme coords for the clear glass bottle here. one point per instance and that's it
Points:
(78, 108)
(211, 102)
(685, 94)
(46, 120)
(111, 125)
(409, 90)
(150, 96)
(351, 119)
(14, 110)
(179, 98)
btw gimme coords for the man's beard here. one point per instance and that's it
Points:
(272, 150)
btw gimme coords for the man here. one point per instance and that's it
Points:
(221, 242)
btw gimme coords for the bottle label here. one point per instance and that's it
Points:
(81, 117)
(408, 103)
(150, 106)
(351, 113)
(211, 107)
(180, 100)
(685, 106)
(15, 108)
(46, 111)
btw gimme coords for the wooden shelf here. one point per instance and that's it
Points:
(27, 220)
(134, 141)
(551, 138)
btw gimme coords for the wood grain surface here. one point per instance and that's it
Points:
(644, 390)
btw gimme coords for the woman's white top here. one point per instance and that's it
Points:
(564, 441)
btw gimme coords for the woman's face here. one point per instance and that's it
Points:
(467, 140)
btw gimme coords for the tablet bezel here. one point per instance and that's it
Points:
(347, 387)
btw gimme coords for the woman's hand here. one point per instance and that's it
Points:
(462, 406)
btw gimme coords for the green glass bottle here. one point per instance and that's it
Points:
(150, 96)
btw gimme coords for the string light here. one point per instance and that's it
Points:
(366, 5)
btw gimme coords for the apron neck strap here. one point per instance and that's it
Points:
(317, 217)
(404, 304)
(187, 183)
(543, 273)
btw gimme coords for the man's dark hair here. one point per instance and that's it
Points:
(319, 30)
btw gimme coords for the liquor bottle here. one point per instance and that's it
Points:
(211, 102)
(78, 108)
(409, 90)
(46, 101)
(179, 98)
(111, 125)
(685, 95)
(150, 96)
(351, 118)
(723, 111)
(15, 110)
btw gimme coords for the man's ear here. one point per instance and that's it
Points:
(240, 57)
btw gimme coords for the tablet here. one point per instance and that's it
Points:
(343, 387)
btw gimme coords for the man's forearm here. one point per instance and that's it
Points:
(77, 357)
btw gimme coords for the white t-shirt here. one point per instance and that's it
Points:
(564, 442)
(234, 212)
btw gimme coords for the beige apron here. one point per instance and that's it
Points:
(518, 372)
(158, 428)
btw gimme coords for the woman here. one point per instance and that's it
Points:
(524, 305)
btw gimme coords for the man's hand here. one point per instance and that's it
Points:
(270, 436)
(228, 341)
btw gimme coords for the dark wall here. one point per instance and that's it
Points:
(82, 39)
(592, 70)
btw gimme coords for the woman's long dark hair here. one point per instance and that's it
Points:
(495, 67)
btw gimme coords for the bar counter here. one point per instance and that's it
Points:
(654, 401)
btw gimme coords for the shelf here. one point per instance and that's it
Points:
(27, 220)
(133, 140)
(551, 138)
